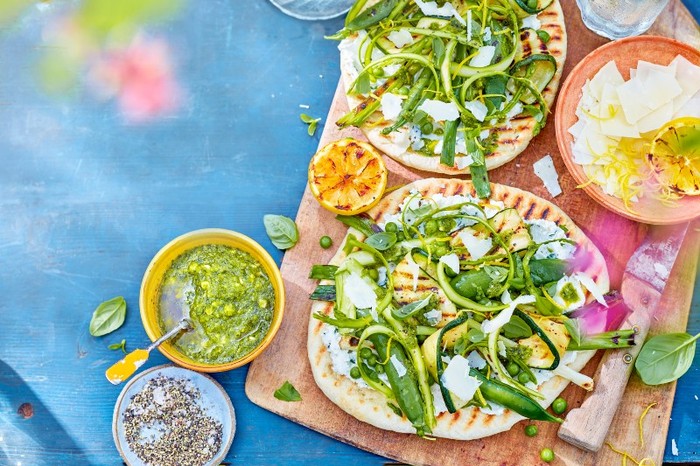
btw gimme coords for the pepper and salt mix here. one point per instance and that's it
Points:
(165, 425)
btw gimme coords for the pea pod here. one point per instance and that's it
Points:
(405, 388)
(498, 392)
(372, 15)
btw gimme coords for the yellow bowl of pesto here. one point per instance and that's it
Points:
(230, 288)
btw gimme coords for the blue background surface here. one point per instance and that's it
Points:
(87, 200)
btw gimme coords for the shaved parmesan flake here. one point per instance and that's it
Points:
(477, 247)
(475, 360)
(463, 162)
(544, 169)
(439, 405)
(447, 10)
(531, 22)
(477, 108)
(486, 34)
(391, 105)
(451, 261)
(359, 292)
(439, 110)
(469, 25)
(592, 287)
(503, 317)
(433, 316)
(457, 380)
(505, 297)
(483, 56)
(400, 38)
(400, 368)
(414, 268)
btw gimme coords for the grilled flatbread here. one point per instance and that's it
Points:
(369, 405)
(506, 139)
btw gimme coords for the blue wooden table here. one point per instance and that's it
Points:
(86, 201)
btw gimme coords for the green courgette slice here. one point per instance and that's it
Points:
(539, 69)
(525, 8)
(543, 335)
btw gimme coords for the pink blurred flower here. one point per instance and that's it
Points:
(141, 78)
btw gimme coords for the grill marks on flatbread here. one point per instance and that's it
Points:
(512, 138)
(470, 423)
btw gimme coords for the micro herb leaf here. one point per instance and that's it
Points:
(108, 317)
(665, 358)
(381, 241)
(311, 121)
(287, 392)
(118, 346)
(281, 230)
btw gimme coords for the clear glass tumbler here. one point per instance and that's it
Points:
(616, 19)
(312, 9)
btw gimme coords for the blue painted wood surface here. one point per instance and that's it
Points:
(86, 201)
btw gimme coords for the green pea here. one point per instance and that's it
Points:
(404, 90)
(379, 368)
(543, 35)
(365, 353)
(439, 131)
(523, 378)
(547, 455)
(426, 128)
(446, 224)
(391, 227)
(441, 250)
(531, 430)
(378, 71)
(355, 372)
(532, 4)
(373, 273)
(513, 369)
(371, 360)
(559, 405)
(431, 226)
(325, 242)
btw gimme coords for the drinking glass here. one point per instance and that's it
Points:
(313, 9)
(616, 19)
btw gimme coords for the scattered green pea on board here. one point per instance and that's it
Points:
(325, 242)
(108, 317)
(547, 455)
(559, 405)
(531, 430)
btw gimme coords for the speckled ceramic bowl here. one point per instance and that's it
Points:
(150, 289)
(626, 53)
(214, 401)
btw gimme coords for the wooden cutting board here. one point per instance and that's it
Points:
(286, 358)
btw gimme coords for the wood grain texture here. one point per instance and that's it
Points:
(617, 238)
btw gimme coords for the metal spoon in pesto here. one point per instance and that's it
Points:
(122, 370)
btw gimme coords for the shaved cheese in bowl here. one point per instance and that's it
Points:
(617, 120)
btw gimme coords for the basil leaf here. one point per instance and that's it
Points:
(281, 230)
(516, 328)
(118, 346)
(410, 309)
(664, 358)
(108, 317)
(381, 241)
(362, 224)
(287, 392)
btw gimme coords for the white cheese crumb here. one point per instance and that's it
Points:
(544, 169)
(531, 22)
(457, 380)
(674, 447)
(391, 105)
(475, 360)
(477, 108)
(483, 56)
(303, 106)
(439, 110)
(486, 34)
(451, 261)
(433, 316)
(696, 397)
(400, 38)
(469, 25)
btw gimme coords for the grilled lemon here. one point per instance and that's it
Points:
(347, 176)
(674, 156)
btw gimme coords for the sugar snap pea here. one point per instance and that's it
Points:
(498, 392)
(414, 98)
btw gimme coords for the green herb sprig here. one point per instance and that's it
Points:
(311, 121)
(281, 230)
(118, 346)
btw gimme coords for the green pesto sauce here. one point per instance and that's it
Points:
(229, 298)
(569, 294)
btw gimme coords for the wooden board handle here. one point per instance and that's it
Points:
(587, 426)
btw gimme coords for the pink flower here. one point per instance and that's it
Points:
(140, 76)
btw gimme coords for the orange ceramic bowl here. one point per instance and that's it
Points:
(150, 291)
(626, 53)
